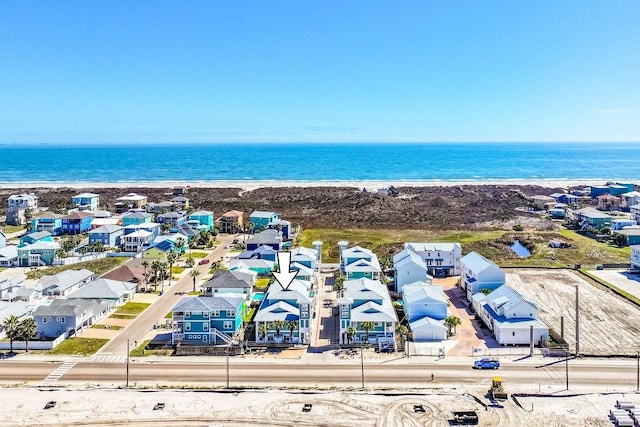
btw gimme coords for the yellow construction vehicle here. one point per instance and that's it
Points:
(497, 389)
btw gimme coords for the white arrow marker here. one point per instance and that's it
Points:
(283, 275)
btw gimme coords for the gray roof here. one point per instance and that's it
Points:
(137, 215)
(39, 235)
(63, 280)
(262, 214)
(266, 236)
(107, 228)
(64, 307)
(103, 289)
(201, 213)
(217, 302)
(230, 279)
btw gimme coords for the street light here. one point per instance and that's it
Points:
(228, 350)
(566, 365)
(127, 383)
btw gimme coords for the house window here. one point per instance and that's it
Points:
(63, 320)
(513, 333)
(377, 324)
(227, 324)
(58, 319)
(44, 320)
(231, 313)
(187, 326)
(187, 314)
(204, 338)
(206, 315)
(205, 326)
(215, 313)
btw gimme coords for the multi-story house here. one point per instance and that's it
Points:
(357, 262)
(37, 254)
(635, 257)
(478, 273)
(231, 222)
(265, 238)
(441, 259)
(47, 221)
(230, 281)
(204, 218)
(173, 220)
(409, 268)
(77, 222)
(63, 283)
(133, 242)
(208, 320)
(65, 316)
(135, 218)
(108, 235)
(18, 205)
(130, 201)
(365, 301)
(86, 201)
(261, 219)
(426, 308)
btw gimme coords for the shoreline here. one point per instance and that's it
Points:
(368, 184)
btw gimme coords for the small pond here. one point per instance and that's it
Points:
(520, 250)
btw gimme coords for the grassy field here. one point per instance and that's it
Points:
(262, 284)
(81, 346)
(492, 244)
(132, 308)
(98, 266)
(112, 327)
(177, 270)
(10, 229)
(140, 351)
(197, 254)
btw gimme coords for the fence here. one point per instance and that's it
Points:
(77, 259)
(33, 345)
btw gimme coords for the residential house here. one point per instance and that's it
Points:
(295, 305)
(408, 268)
(283, 227)
(130, 201)
(442, 259)
(305, 262)
(18, 205)
(542, 202)
(616, 189)
(77, 222)
(180, 190)
(136, 218)
(174, 238)
(49, 222)
(426, 308)
(599, 190)
(259, 266)
(478, 273)
(3, 239)
(629, 199)
(565, 198)
(132, 272)
(635, 257)
(181, 202)
(629, 186)
(510, 316)
(160, 250)
(63, 283)
(99, 222)
(619, 223)
(366, 300)
(9, 284)
(261, 219)
(173, 220)
(608, 202)
(160, 207)
(36, 236)
(357, 262)
(208, 320)
(266, 237)
(151, 227)
(108, 235)
(231, 222)
(133, 241)
(86, 201)
(557, 213)
(632, 233)
(114, 291)
(37, 254)
(101, 213)
(230, 281)
(590, 217)
(634, 212)
(204, 218)
(66, 316)
(8, 256)
(14, 308)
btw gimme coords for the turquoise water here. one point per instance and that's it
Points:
(520, 250)
(318, 162)
(258, 296)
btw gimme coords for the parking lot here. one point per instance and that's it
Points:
(608, 322)
(620, 279)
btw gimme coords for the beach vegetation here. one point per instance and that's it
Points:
(79, 346)
(132, 308)
(10, 229)
(98, 266)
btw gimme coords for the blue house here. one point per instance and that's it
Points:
(599, 190)
(77, 222)
(38, 236)
(283, 226)
(108, 235)
(208, 320)
(204, 218)
(174, 219)
(47, 221)
(261, 219)
(37, 254)
(616, 190)
(426, 308)
(151, 227)
(65, 316)
(265, 238)
(135, 218)
(86, 201)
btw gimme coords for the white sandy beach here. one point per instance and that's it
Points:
(252, 185)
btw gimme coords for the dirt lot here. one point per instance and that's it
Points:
(278, 408)
(607, 322)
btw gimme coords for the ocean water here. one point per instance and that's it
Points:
(318, 162)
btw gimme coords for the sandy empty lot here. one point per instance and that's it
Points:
(608, 323)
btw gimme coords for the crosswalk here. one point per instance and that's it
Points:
(106, 358)
(59, 372)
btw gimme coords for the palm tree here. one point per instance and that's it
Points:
(452, 322)
(351, 332)
(367, 327)
(60, 253)
(27, 329)
(402, 331)
(262, 330)
(163, 273)
(291, 325)
(145, 265)
(194, 275)
(11, 329)
(339, 282)
(165, 227)
(190, 262)
(179, 244)
(156, 267)
(248, 226)
(171, 258)
(278, 324)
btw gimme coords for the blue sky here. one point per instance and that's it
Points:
(299, 71)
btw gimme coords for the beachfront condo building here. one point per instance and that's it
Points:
(18, 205)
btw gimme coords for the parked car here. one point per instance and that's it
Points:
(486, 363)
(203, 261)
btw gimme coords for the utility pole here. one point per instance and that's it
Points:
(127, 384)
(362, 364)
(228, 349)
(577, 321)
(566, 365)
(638, 370)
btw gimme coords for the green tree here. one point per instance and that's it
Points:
(156, 268)
(291, 325)
(278, 324)
(194, 275)
(339, 283)
(402, 331)
(60, 253)
(262, 330)
(172, 257)
(11, 326)
(145, 265)
(190, 262)
(367, 327)
(620, 239)
(180, 242)
(351, 332)
(452, 323)
(27, 330)
(165, 227)
(165, 271)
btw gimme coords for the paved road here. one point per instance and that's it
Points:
(137, 329)
(597, 375)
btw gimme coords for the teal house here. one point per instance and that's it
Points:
(37, 254)
(38, 236)
(204, 218)
(208, 320)
(48, 221)
(261, 219)
(135, 218)
(592, 217)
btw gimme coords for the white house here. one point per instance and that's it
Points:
(63, 283)
(8, 256)
(409, 268)
(630, 199)
(635, 257)
(510, 316)
(442, 259)
(3, 239)
(479, 273)
(426, 308)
